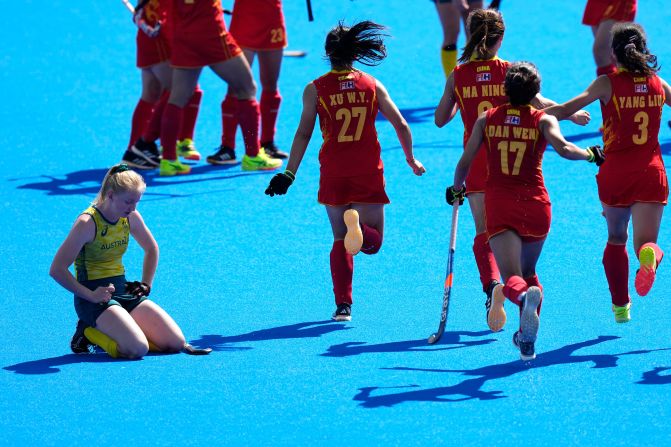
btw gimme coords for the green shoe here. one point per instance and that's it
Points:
(261, 162)
(622, 313)
(173, 167)
(186, 148)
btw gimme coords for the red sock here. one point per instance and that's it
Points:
(247, 112)
(606, 69)
(270, 105)
(533, 281)
(140, 120)
(190, 115)
(229, 121)
(514, 287)
(484, 258)
(659, 254)
(372, 240)
(172, 116)
(342, 268)
(153, 130)
(616, 265)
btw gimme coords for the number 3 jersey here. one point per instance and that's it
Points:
(347, 107)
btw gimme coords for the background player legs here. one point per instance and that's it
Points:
(470, 6)
(117, 324)
(159, 328)
(450, 16)
(602, 51)
(270, 63)
(151, 92)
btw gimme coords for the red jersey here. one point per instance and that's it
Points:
(478, 86)
(197, 17)
(259, 24)
(347, 108)
(631, 119)
(596, 11)
(515, 147)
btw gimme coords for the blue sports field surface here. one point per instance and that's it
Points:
(249, 275)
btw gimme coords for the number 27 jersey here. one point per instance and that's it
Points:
(347, 107)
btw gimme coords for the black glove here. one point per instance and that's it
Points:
(138, 289)
(596, 155)
(453, 195)
(280, 183)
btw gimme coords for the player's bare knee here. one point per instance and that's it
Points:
(136, 349)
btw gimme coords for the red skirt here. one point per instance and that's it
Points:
(259, 25)
(195, 51)
(338, 191)
(528, 217)
(596, 11)
(151, 50)
(620, 188)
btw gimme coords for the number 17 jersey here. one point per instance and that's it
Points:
(347, 107)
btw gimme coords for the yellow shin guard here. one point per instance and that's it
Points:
(104, 341)
(449, 60)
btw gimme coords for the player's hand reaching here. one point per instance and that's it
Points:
(102, 294)
(455, 195)
(581, 117)
(417, 166)
(596, 155)
(138, 289)
(280, 183)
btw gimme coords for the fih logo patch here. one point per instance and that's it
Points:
(512, 119)
(347, 85)
(641, 88)
(483, 77)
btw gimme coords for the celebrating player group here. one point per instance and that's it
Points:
(507, 126)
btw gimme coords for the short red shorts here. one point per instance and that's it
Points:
(337, 191)
(596, 11)
(529, 218)
(259, 25)
(477, 173)
(622, 189)
(195, 51)
(151, 51)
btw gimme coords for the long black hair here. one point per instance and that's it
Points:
(522, 83)
(631, 49)
(486, 28)
(362, 42)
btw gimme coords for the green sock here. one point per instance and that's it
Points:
(104, 341)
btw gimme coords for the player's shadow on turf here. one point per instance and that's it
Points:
(453, 339)
(582, 136)
(413, 114)
(311, 329)
(473, 388)
(51, 365)
(655, 378)
(87, 181)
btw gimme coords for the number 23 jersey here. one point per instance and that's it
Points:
(347, 107)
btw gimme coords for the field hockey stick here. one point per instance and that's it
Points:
(188, 349)
(448, 277)
(310, 17)
(151, 31)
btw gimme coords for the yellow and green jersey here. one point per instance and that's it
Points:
(101, 258)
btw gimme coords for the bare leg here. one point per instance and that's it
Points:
(476, 201)
(449, 15)
(238, 75)
(117, 324)
(646, 220)
(602, 43)
(158, 326)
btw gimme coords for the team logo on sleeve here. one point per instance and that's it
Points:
(347, 85)
(483, 77)
(512, 119)
(641, 88)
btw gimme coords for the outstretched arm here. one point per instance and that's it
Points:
(599, 89)
(393, 115)
(471, 149)
(550, 128)
(667, 92)
(447, 107)
(305, 128)
(581, 117)
(139, 231)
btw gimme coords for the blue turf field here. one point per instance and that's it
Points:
(249, 276)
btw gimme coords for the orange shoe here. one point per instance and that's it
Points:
(496, 314)
(645, 276)
(354, 236)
